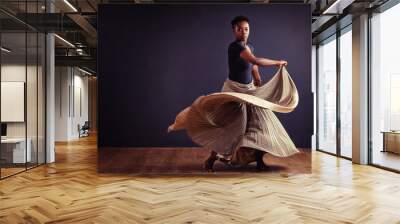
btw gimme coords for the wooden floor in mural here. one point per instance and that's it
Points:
(72, 191)
(190, 160)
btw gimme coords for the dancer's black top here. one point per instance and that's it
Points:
(239, 69)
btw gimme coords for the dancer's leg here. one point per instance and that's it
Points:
(222, 159)
(259, 158)
(209, 163)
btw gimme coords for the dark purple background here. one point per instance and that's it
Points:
(154, 60)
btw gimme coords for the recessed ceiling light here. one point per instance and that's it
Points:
(64, 40)
(329, 9)
(5, 50)
(70, 5)
(84, 71)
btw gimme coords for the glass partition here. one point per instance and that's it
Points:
(385, 89)
(14, 153)
(346, 93)
(326, 95)
(22, 88)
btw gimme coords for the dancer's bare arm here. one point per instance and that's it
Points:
(265, 62)
(256, 75)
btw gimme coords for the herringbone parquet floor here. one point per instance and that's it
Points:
(71, 191)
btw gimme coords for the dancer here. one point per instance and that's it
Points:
(238, 124)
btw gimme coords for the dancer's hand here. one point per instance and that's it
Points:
(282, 63)
(257, 82)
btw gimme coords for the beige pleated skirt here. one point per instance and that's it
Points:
(240, 119)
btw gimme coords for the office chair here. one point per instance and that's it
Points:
(84, 130)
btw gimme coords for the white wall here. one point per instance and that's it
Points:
(71, 93)
(62, 81)
(79, 117)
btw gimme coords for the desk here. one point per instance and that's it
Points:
(391, 141)
(13, 150)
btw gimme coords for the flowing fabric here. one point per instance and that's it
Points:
(240, 119)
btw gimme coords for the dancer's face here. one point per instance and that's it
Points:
(242, 31)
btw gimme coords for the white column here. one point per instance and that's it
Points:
(50, 92)
(360, 90)
(50, 99)
(314, 91)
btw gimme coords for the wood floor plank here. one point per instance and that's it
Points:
(72, 191)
